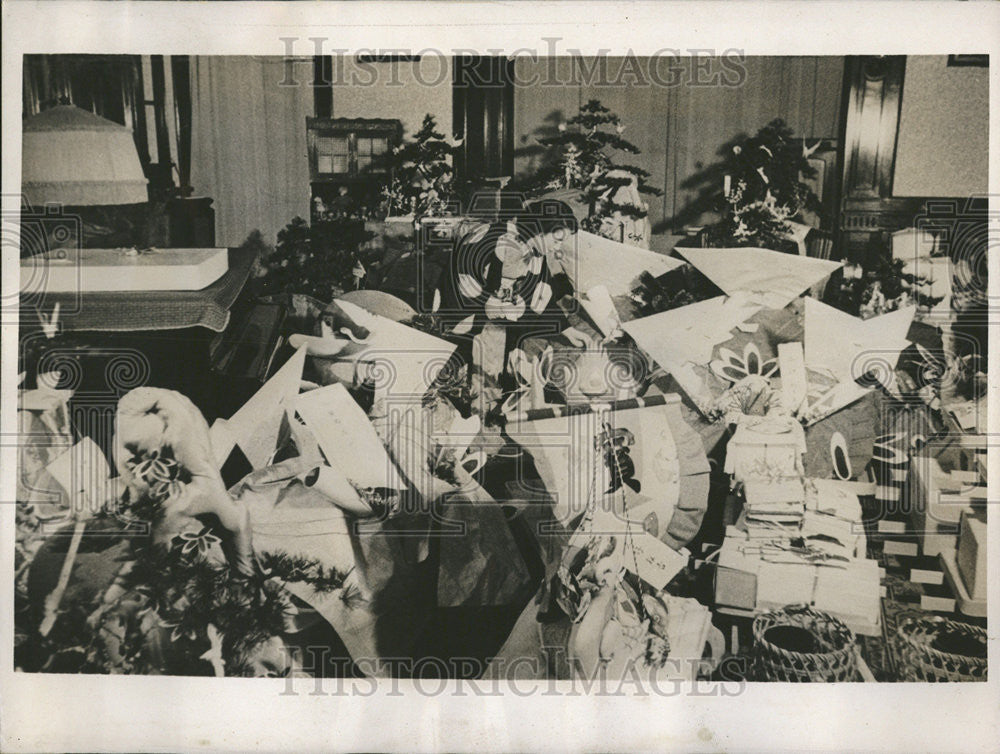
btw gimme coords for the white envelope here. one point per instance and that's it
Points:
(347, 438)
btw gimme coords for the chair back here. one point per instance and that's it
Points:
(819, 244)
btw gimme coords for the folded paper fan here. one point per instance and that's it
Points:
(771, 278)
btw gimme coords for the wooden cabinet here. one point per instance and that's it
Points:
(347, 164)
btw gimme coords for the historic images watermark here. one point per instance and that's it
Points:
(472, 677)
(428, 67)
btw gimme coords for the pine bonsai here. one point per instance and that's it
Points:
(582, 157)
(318, 260)
(758, 187)
(422, 174)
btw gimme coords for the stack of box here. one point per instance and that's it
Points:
(778, 503)
(756, 575)
(935, 508)
(937, 501)
(765, 456)
(965, 569)
(798, 540)
(967, 423)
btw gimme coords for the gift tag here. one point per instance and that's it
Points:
(654, 562)
(794, 384)
(83, 471)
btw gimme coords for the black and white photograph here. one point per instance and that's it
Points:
(353, 369)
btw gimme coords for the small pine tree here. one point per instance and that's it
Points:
(582, 157)
(317, 260)
(422, 174)
(766, 189)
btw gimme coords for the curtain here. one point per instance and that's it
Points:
(249, 144)
(680, 128)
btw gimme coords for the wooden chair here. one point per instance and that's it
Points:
(819, 244)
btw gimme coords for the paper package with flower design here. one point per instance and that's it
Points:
(768, 448)
(683, 341)
(164, 455)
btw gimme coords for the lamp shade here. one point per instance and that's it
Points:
(73, 157)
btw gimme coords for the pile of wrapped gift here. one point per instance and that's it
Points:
(798, 539)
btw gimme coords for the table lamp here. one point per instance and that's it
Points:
(80, 160)
(76, 158)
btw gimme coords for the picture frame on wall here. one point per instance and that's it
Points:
(980, 61)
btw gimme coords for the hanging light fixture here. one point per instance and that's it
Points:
(76, 158)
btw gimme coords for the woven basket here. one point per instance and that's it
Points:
(831, 655)
(920, 660)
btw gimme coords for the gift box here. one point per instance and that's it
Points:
(936, 504)
(736, 576)
(972, 554)
(766, 448)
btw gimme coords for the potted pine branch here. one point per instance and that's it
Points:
(582, 168)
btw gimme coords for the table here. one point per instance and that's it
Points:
(109, 343)
(155, 310)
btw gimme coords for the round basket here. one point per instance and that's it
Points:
(933, 648)
(799, 644)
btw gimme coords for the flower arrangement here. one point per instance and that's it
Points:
(880, 287)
